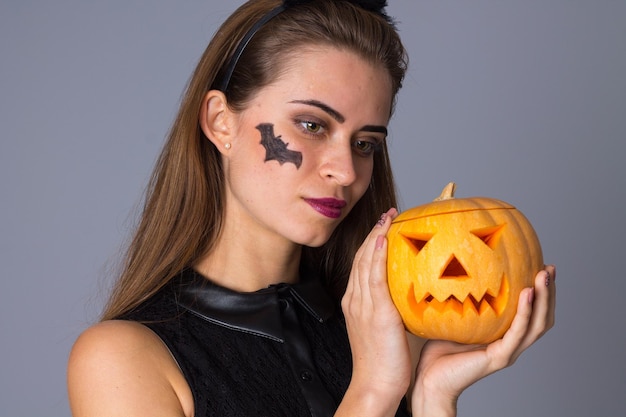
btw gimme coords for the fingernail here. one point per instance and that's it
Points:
(380, 241)
(531, 296)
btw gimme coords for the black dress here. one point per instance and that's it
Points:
(280, 351)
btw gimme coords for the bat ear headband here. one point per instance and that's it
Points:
(376, 6)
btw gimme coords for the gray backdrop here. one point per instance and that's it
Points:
(523, 101)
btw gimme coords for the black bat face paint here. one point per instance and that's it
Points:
(275, 148)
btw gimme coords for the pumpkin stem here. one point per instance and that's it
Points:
(447, 193)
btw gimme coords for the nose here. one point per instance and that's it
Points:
(338, 164)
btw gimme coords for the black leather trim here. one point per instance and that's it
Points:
(256, 312)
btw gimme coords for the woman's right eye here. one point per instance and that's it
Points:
(310, 127)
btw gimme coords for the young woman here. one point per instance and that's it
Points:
(256, 280)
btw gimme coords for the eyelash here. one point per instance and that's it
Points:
(371, 146)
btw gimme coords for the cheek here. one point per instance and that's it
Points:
(364, 169)
(276, 149)
(246, 172)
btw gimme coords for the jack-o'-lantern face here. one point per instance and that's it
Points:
(456, 267)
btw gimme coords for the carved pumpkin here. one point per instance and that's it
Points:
(456, 266)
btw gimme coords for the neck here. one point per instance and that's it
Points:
(248, 265)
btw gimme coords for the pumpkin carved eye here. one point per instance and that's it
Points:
(456, 267)
(489, 235)
(416, 242)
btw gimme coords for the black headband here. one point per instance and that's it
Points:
(374, 6)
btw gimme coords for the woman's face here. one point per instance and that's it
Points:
(301, 154)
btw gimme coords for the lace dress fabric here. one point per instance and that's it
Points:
(281, 351)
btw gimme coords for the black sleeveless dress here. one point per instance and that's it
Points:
(280, 351)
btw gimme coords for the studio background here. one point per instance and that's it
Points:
(519, 100)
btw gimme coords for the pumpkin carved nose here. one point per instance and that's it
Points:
(454, 270)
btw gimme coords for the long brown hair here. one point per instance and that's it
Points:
(182, 214)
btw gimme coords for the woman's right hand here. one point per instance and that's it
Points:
(380, 351)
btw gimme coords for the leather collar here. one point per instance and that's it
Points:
(256, 312)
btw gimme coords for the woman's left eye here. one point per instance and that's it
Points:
(365, 147)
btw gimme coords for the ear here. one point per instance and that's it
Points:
(215, 118)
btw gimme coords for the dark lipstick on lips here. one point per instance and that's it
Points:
(329, 207)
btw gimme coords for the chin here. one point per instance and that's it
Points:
(314, 241)
(316, 244)
(314, 234)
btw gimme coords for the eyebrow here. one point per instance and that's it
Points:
(338, 116)
(326, 108)
(374, 128)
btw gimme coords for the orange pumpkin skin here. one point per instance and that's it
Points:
(456, 267)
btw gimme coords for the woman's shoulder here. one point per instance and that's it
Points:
(121, 367)
(116, 338)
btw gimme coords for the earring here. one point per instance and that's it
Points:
(227, 145)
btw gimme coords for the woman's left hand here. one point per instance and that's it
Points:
(445, 368)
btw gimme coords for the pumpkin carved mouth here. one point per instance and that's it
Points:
(469, 305)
